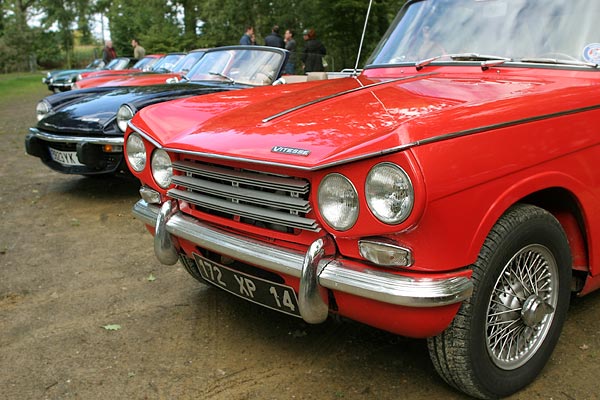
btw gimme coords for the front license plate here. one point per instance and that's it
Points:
(64, 157)
(260, 291)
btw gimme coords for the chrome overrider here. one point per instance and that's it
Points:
(316, 270)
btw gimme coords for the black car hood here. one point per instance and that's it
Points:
(94, 112)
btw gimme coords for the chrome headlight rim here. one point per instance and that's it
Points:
(382, 207)
(42, 109)
(351, 213)
(124, 114)
(162, 168)
(135, 150)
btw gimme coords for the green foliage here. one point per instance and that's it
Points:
(182, 25)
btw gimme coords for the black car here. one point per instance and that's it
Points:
(81, 131)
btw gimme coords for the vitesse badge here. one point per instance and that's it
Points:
(290, 150)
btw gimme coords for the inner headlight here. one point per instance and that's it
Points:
(42, 109)
(338, 202)
(162, 169)
(389, 193)
(79, 77)
(136, 152)
(124, 115)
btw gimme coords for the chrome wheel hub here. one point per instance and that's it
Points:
(521, 307)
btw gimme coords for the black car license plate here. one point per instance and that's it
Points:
(257, 290)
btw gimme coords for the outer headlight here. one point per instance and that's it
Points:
(162, 169)
(124, 115)
(390, 194)
(42, 109)
(338, 202)
(136, 152)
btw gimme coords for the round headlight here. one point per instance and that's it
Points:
(390, 193)
(136, 152)
(162, 169)
(79, 77)
(124, 115)
(42, 109)
(338, 202)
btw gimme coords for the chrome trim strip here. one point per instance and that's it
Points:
(75, 139)
(368, 283)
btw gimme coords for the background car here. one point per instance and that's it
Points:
(142, 65)
(64, 80)
(95, 65)
(81, 131)
(157, 75)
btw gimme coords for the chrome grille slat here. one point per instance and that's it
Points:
(241, 194)
(243, 177)
(244, 210)
(271, 201)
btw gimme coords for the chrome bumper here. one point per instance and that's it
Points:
(48, 137)
(314, 269)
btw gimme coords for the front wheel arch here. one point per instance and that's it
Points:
(462, 354)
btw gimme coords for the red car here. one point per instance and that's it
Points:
(449, 192)
(173, 65)
(144, 64)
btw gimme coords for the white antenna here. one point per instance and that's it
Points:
(362, 39)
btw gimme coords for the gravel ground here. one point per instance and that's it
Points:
(74, 263)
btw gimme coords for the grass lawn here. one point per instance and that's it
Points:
(18, 84)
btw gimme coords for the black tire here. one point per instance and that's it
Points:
(477, 354)
(191, 268)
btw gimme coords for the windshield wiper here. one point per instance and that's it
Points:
(557, 61)
(229, 80)
(487, 60)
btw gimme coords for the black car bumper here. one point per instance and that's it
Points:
(76, 154)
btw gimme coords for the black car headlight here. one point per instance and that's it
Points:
(42, 109)
(124, 115)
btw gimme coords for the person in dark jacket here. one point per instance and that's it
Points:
(246, 38)
(274, 39)
(108, 53)
(312, 57)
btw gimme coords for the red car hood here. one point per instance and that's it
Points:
(327, 122)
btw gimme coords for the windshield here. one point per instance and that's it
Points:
(118, 63)
(167, 63)
(145, 63)
(257, 67)
(187, 62)
(520, 30)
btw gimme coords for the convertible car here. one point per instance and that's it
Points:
(158, 75)
(81, 131)
(64, 80)
(449, 191)
(143, 65)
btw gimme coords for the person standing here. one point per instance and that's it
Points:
(312, 57)
(138, 51)
(108, 52)
(290, 45)
(246, 38)
(274, 39)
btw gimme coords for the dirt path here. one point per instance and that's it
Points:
(73, 260)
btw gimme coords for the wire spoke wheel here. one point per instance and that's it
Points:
(503, 335)
(521, 307)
